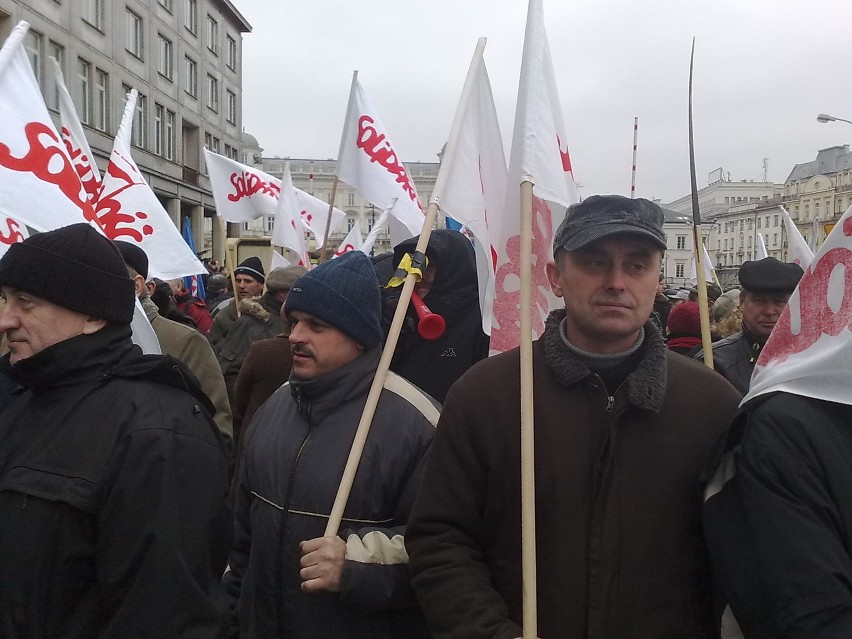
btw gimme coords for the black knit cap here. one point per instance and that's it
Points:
(770, 275)
(344, 292)
(74, 267)
(600, 216)
(134, 256)
(253, 267)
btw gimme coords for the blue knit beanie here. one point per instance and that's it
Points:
(344, 292)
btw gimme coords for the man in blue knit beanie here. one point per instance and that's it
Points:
(285, 578)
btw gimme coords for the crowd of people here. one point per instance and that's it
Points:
(188, 494)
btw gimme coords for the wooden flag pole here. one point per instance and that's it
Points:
(375, 392)
(324, 250)
(697, 241)
(229, 262)
(528, 557)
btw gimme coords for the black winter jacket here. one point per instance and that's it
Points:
(112, 497)
(778, 518)
(295, 452)
(734, 358)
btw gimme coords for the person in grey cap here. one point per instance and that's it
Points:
(286, 579)
(766, 286)
(623, 427)
(113, 476)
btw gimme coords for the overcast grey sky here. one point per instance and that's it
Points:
(764, 69)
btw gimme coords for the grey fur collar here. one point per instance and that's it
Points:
(645, 387)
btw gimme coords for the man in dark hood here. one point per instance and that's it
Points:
(449, 288)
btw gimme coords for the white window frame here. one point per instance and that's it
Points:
(212, 93)
(212, 34)
(191, 80)
(100, 103)
(165, 57)
(135, 34)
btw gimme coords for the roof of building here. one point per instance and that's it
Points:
(673, 217)
(249, 141)
(240, 20)
(828, 161)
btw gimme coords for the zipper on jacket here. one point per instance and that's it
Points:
(24, 502)
(279, 577)
(610, 402)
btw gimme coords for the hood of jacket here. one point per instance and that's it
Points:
(97, 358)
(454, 291)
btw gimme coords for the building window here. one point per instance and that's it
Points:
(351, 198)
(93, 13)
(32, 44)
(100, 104)
(681, 242)
(190, 18)
(134, 34)
(726, 244)
(232, 52)
(191, 80)
(159, 127)
(170, 135)
(164, 59)
(741, 225)
(166, 4)
(679, 269)
(84, 81)
(775, 220)
(775, 239)
(208, 140)
(212, 93)
(57, 52)
(232, 107)
(216, 146)
(212, 34)
(758, 222)
(140, 122)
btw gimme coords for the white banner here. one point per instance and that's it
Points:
(288, 230)
(540, 155)
(38, 183)
(368, 161)
(75, 138)
(811, 344)
(800, 252)
(471, 183)
(128, 210)
(352, 242)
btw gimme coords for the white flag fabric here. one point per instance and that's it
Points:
(540, 155)
(352, 242)
(810, 347)
(75, 138)
(128, 210)
(372, 236)
(799, 251)
(38, 183)
(471, 182)
(243, 193)
(369, 161)
(288, 229)
(761, 247)
(278, 261)
(708, 268)
(11, 232)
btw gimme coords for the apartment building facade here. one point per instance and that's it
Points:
(185, 59)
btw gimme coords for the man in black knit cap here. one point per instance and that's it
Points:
(113, 476)
(286, 579)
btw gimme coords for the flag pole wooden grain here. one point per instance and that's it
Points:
(697, 240)
(324, 250)
(375, 392)
(528, 551)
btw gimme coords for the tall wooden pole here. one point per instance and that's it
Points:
(697, 239)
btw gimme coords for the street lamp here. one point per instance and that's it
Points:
(822, 117)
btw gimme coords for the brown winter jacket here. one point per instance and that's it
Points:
(618, 508)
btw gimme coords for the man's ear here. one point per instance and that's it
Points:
(552, 272)
(93, 325)
(138, 284)
(151, 286)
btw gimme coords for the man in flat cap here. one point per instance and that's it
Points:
(113, 476)
(623, 428)
(287, 579)
(766, 286)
